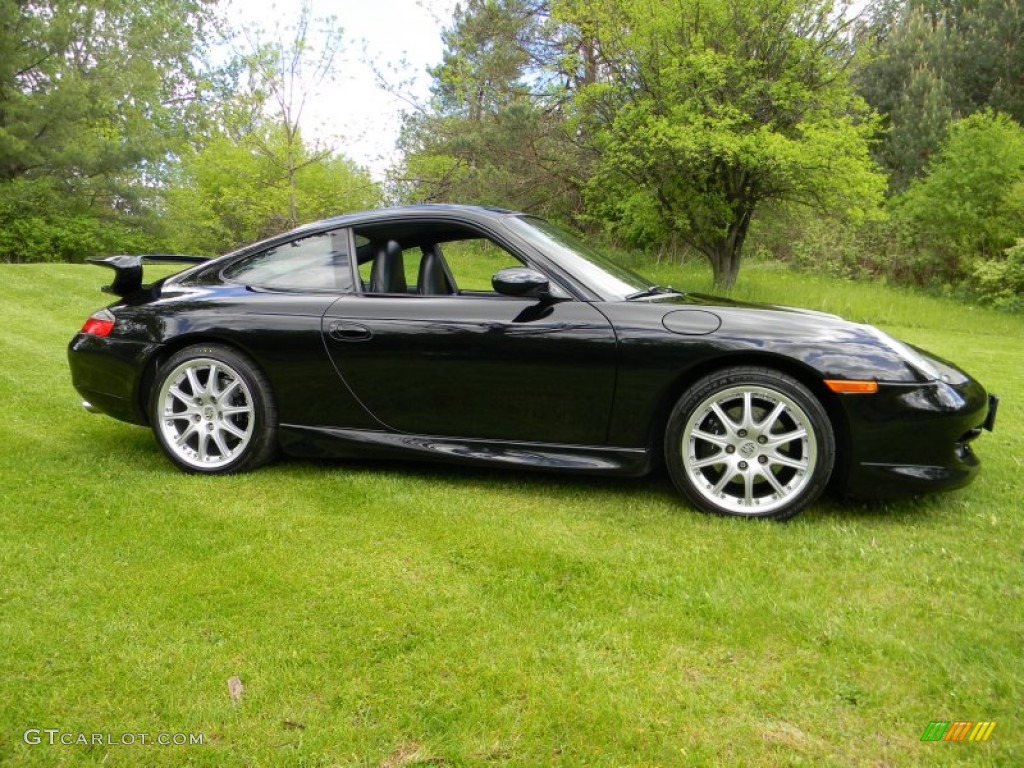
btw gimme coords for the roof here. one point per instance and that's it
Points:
(409, 211)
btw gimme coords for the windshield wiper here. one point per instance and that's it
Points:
(654, 290)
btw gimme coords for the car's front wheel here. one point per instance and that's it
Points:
(212, 411)
(749, 442)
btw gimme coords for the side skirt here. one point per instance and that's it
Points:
(322, 442)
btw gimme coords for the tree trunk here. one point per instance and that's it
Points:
(724, 269)
(725, 252)
(291, 132)
(293, 211)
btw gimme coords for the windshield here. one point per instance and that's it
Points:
(607, 279)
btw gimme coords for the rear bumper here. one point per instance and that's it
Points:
(107, 373)
(911, 439)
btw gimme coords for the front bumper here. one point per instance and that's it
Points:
(910, 439)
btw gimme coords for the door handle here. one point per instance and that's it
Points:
(340, 331)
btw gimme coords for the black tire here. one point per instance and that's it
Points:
(770, 457)
(212, 411)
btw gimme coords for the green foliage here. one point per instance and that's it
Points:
(495, 131)
(928, 62)
(93, 98)
(253, 175)
(485, 57)
(94, 88)
(665, 123)
(48, 219)
(707, 111)
(968, 206)
(112, 140)
(824, 245)
(236, 190)
(1000, 282)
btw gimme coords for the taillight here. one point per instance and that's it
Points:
(99, 323)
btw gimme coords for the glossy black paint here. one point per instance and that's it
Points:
(496, 368)
(318, 442)
(568, 380)
(128, 269)
(521, 282)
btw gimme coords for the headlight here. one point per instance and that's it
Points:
(915, 359)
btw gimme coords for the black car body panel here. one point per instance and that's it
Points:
(577, 380)
(495, 369)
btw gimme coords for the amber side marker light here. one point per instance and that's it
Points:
(849, 386)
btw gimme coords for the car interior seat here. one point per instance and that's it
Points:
(388, 272)
(433, 280)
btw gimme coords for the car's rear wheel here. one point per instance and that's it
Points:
(212, 411)
(750, 442)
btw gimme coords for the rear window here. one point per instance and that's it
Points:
(313, 263)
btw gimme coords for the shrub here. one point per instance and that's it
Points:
(1000, 282)
(966, 208)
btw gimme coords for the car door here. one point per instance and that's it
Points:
(477, 364)
(271, 305)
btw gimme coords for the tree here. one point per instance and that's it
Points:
(93, 96)
(969, 205)
(928, 62)
(702, 112)
(495, 131)
(253, 175)
(284, 73)
(234, 189)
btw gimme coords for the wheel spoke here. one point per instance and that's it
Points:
(769, 421)
(234, 410)
(720, 440)
(176, 392)
(729, 424)
(708, 461)
(748, 489)
(204, 438)
(211, 381)
(231, 429)
(193, 381)
(747, 416)
(724, 480)
(183, 436)
(228, 390)
(772, 481)
(774, 441)
(786, 461)
(222, 446)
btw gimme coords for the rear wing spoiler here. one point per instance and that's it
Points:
(128, 269)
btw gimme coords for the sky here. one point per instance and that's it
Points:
(352, 114)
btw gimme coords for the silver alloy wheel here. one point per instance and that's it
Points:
(206, 413)
(749, 449)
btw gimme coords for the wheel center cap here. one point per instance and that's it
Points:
(748, 449)
(209, 412)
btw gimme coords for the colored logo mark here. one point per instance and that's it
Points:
(958, 730)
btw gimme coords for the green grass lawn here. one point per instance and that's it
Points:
(402, 615)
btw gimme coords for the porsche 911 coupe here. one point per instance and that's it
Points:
(484, 336)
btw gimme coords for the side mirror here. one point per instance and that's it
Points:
(521, 281)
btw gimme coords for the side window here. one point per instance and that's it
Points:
(429, 259)
(368, 250)
(317, 262)
(474, 262)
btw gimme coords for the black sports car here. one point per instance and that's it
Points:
(485, 336)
